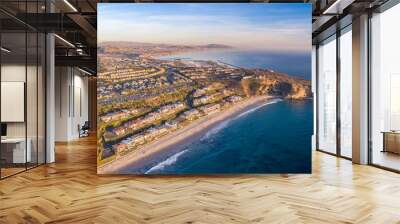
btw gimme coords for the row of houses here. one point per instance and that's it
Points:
(171, 108)
(149, 118)
(209, 70)
(210, 108)
(198, 75)
(150, 134)
(206, 99)
(202, 91)
(234, 99)
(191, 114)
(118, 115)
(127, 73)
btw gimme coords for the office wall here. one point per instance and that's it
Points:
(81, 82)
(61, 103)
(71, 102)
(92, 98)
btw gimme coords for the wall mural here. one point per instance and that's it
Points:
(204, 88)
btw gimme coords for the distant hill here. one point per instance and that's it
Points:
(142, 44)
(127, 44)
(126, 47)
(215, 46)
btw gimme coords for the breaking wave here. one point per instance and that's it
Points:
(171, 160)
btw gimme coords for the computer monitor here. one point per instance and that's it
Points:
(3, 130)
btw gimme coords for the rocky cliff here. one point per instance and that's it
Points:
(261, 82)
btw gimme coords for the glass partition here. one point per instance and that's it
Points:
(13, 92)
(22, 77)
(31, 98)
(327, 95)
(346, 92)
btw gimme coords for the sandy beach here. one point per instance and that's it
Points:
(182, 135)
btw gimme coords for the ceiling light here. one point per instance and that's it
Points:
(65, 41)
(86, 72)
(70, 5)
(5, 50)
(79, 51)
(337, 7)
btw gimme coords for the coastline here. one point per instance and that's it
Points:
(182, 136)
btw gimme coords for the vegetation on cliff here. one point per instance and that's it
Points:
(262, 82)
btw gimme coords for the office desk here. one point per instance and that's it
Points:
(13, 150)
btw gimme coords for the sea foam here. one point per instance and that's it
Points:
(171, 160)
(258, 107)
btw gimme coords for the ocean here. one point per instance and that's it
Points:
(294, 64)
(271, 138)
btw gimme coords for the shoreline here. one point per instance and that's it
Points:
(183, 135)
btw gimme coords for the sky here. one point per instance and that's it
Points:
(282, 27)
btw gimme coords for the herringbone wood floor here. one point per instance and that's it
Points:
(69, 191)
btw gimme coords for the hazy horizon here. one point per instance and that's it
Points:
(137, 42)
(258, 26)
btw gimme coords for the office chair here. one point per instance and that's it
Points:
(84, 130)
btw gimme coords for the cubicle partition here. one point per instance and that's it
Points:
(22, 77)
